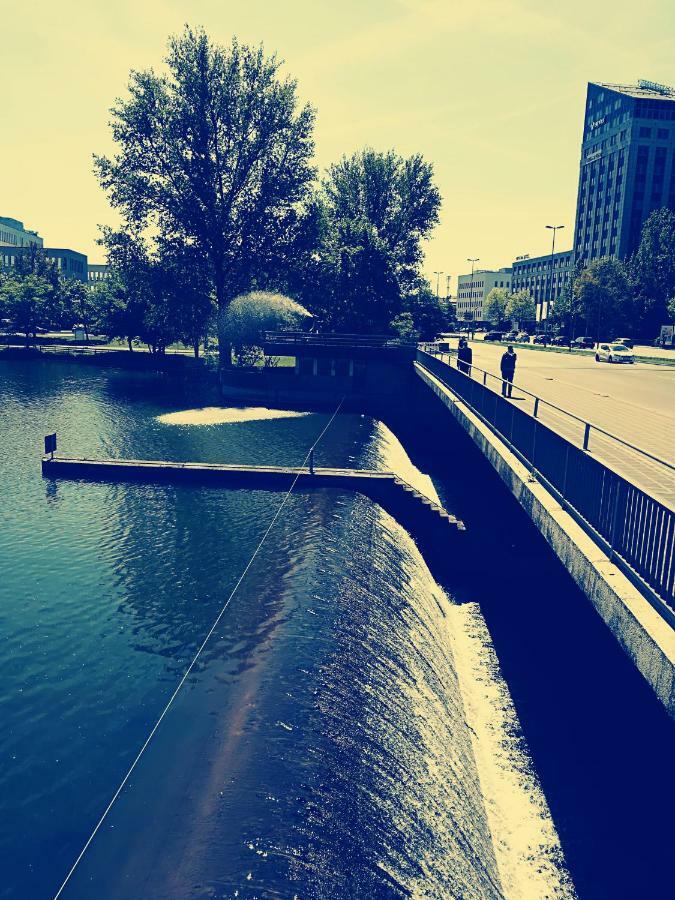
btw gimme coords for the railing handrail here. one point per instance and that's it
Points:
(361, 340)
(559, 409)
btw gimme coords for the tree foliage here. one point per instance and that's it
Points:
(26, 303)
(496, 304)
(603, 294)
(652, 272)
(376, 209)
(520, 307)
(249, 315)
(213, 152)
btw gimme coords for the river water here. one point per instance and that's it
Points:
(346, 731)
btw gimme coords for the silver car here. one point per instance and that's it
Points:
(614, 353)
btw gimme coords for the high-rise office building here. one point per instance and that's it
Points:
(627, 166)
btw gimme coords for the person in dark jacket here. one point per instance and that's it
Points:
(508, 367)
(464, 357)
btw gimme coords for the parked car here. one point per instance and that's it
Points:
(493, 336)
(541, 339)
(523, 337)
(627, 342)
(510, 336)
(583, 343)
(560, 341)
(614, 353)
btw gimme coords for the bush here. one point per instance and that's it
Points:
(250, 315)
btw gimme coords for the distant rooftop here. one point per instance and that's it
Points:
(643, 90)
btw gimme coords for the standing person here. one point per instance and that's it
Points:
(464, 356)
(508, 367)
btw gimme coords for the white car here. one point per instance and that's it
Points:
(614, 353)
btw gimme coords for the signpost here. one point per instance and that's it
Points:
(50, 444)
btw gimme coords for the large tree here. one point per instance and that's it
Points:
(215, 152)
(603, 295)
(652, 272)
(377, 210)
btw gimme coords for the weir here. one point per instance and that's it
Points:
(440, 533)
(615, 539)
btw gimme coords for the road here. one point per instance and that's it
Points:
(634, 402)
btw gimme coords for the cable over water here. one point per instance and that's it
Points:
(195, 658)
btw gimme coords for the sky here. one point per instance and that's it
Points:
(491, 92)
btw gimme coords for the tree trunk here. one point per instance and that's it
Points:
(224, 346)
(195, 347)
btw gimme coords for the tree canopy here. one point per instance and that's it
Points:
(652, 272)
(376, 210)
(214, 152)
(496, 304)
(603, 292)
(520, 307)
(249, 315)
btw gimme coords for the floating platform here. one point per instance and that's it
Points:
(426, 520)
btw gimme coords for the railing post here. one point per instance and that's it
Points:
(587, 434)
(615, 520)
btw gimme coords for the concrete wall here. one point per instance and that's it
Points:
(647, 639)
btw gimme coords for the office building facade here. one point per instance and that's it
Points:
(97, 272)
(13, 234)
(68, 263)
(627, 166)
(545, 277)
(472, 292)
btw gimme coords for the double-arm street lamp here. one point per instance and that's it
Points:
(553, 228)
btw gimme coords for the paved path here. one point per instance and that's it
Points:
(634, 402)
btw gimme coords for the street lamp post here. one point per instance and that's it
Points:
(553, 228)
(473, 262)
(438, 275)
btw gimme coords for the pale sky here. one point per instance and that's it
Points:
(491, 92)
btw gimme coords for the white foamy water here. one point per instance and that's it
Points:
(396, 460)
(527, 848)
(221, 415)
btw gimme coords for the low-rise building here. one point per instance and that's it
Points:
(69, 263)
(544, 277)
(473, 290)
(13, 234)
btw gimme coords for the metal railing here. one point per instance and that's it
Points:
(637, 530)
(309, 339)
